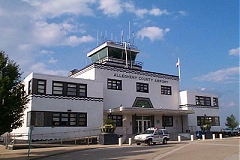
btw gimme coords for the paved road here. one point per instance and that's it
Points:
(227, 149)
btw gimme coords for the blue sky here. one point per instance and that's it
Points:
(53, 37)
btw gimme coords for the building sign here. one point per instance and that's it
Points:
(141, 78)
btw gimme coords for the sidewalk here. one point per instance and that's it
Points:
(36, 153)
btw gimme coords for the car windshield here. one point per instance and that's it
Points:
(148, 132)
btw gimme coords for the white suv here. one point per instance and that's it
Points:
(152, 136)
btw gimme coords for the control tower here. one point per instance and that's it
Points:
(116, 54)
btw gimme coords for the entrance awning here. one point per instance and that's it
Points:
(152, 111)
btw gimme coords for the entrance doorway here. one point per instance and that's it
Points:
(143, 123)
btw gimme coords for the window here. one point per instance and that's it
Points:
(142, 87)
(82, 90)
(37, 86)
(167, 121)
(41, 86)
(216, 121)
(56, 119)
(215, 102)
(213, 120)
(203, 101)
(29, 118)
(142, 103)
(63, 119)
(30, 87)
(114, 84)
(35, 119)
(72, 119)
(166, 90)
(82, 119)
(69, 119)
(58, 88)
(117, 119)
(71, 89)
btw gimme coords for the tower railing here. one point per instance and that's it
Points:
(132, 64)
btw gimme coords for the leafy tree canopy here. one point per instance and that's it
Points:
(12, 95)
(231, 122)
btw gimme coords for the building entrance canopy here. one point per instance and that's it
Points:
(152, 111)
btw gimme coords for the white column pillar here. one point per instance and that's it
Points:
(179, 138)
(220, 136)
(120, 141)
(203, 137)
(191, 137)
(130, 141)
(213, 136)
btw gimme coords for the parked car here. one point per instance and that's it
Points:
(230, 132)
(152, 136)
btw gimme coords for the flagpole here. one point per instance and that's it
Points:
(178, 65)
(179, 70)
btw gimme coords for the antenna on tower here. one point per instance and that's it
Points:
(122, 36)
(129, 28)
(133, 38)
(111, 37)
(102, 38)
(97, 37)
(105, 37)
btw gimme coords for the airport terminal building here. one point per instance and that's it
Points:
(113, 86)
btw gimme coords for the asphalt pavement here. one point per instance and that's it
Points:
(182, 148)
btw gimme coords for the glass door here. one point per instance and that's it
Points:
(142, 125)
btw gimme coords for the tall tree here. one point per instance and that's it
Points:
(231, 122)
(12, 95)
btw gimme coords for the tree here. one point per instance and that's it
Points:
(12, 95)
(231, 122)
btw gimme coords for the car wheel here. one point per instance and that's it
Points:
(150, 142)
(164, 141)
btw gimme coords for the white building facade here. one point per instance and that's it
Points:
(61, 107)
(205, 106)
(113, 86)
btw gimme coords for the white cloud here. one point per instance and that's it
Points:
(46, 52)
(229, 104)
(228, 75)
(157, 12)
(74, 40)
(53, 34)
(2, 11)
(52, 60)
(140, 12)
(153, 33)
(129, 6)
(234, 52)
(48, 34)
(25, 47)
(111, 8)
(42, 68)
(183, 13)
(32, 26)
(50, 9)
